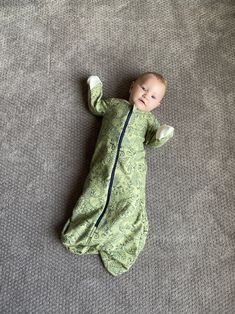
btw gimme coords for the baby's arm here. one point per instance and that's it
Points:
(96, 104)
(157, 135)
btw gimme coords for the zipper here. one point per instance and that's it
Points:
(114, 167)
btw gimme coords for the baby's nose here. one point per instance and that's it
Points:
(146, 94)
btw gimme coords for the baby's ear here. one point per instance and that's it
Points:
(131, 86)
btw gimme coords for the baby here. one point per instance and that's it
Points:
(110, 217)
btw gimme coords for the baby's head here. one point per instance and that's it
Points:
(147, 91)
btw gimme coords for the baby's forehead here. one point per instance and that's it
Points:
(147, 77)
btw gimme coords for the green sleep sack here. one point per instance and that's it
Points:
(110, 216)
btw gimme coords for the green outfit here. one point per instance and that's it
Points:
(110, 216)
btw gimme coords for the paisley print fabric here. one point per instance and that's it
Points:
(110, 216)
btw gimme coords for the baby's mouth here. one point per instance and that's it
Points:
(142, 101)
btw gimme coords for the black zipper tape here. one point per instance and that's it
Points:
(114, 167)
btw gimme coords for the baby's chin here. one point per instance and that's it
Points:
(142, 107)
(139, 104)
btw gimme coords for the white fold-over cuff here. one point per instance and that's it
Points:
(164, 131)
(93, 80)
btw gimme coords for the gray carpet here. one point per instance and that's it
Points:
(48, 49)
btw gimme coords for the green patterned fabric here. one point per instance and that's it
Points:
(117, 183)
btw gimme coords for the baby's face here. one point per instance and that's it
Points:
(146, 92)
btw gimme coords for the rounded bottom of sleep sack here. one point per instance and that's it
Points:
(88, 245)
(80, 249)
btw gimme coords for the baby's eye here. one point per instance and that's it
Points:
(153, 97)
(143, 87)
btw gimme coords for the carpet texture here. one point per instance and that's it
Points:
(48, 49)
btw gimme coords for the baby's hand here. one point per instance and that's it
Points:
(93, 80)
(164, 131)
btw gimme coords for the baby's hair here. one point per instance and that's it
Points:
(158, 76)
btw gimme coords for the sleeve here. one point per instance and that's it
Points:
(96, 104)
(156, 134)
